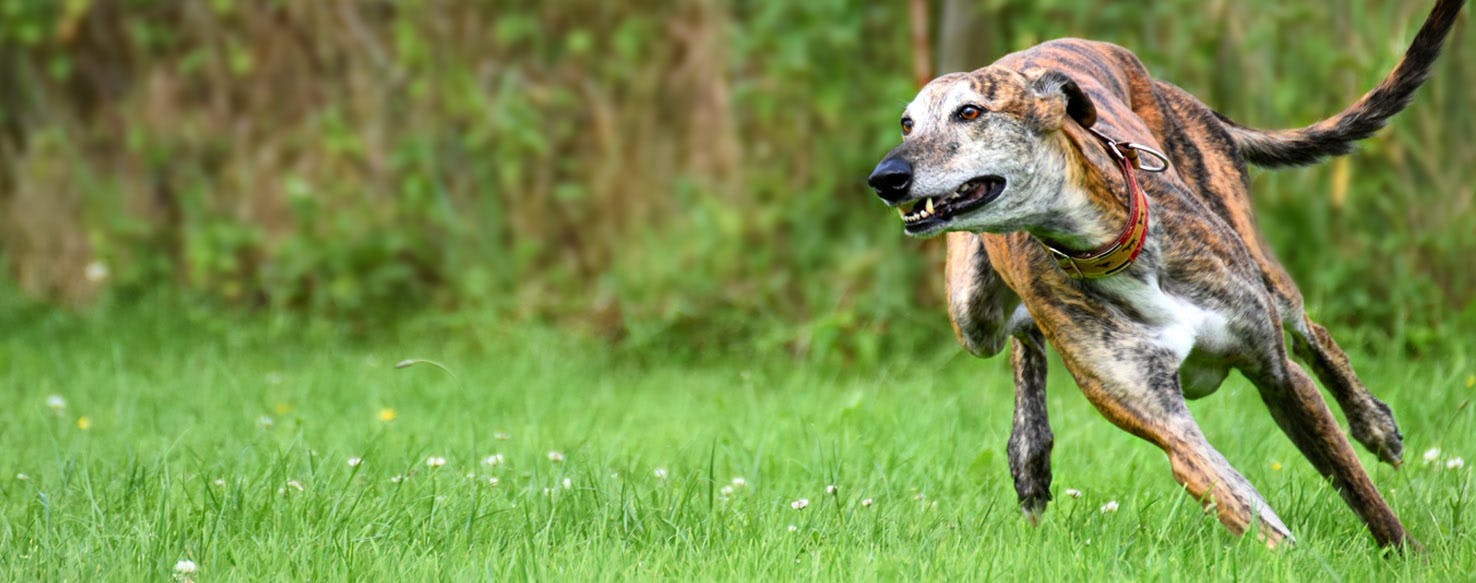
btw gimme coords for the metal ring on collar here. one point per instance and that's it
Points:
(1163, 161)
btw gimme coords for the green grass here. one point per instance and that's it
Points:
(178, 463)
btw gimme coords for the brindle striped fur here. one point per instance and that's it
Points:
(1206, 294)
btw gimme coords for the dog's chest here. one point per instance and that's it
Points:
(1177, 324)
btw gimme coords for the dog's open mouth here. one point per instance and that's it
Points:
(926, 213)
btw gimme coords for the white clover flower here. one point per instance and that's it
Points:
(1073, 492)
(555, 456)
(495, 459)
(354, 462)
(435, 461)
(185, 567)
(397, 478)
(219, 482)
(739, 482)
(866, 503)
(660, 473)
(800, 504)
(832, 489)
(265, 422)
(1432, 454)
(918, 496)
(1110, 506)
(22, 477)
(293, 484)
(793, 528)
(492, 481)
(726, 491)
(56, 403)
(95, 272)
(502, 436)
(1455, 463)
(568, 483)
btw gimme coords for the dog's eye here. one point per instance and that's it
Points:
(969, 112)
(906, 125)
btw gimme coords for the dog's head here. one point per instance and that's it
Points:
(982, 151)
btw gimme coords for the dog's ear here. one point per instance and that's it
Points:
(1060, 97)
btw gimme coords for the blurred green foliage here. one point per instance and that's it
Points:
(645, 170)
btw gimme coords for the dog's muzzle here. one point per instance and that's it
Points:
(891, 179)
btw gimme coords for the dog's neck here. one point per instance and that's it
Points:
(1089, 213)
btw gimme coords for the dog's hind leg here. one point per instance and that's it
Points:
(1369, 419)
(1298, 407)
(1030, 442)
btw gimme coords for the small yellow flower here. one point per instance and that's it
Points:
(282, 408)
(84, 423)
(387, 414)
(1470, 381)
(1275, 466)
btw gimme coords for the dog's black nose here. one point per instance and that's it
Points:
(891, 179)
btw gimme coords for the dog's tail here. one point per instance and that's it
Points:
(1334, 136)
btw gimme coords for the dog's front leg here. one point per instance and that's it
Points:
(979, 302)
(1030, 442)
(1135, 385)
(984, 313)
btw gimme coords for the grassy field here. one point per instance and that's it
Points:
(229, 444)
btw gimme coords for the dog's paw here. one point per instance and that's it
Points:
(1376, 430)
(1032, 508)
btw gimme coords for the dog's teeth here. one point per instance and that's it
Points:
(929, 206)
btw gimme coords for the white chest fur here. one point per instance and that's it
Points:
(1198, 336)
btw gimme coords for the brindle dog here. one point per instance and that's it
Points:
(1003, 160)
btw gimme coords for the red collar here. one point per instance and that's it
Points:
(1122, 251)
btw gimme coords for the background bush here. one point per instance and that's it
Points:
(646, 171)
